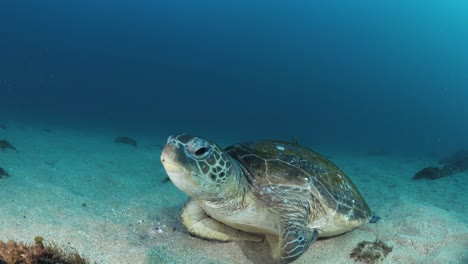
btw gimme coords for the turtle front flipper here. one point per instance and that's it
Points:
(292, 243)
(200, 225)
(295, 236)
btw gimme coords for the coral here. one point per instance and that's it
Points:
(370, 252)
(13, 252)
(126, 140)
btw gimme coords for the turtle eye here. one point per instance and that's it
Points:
(201, 151)
(199, 148)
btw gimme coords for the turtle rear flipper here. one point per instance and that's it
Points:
(200, 225)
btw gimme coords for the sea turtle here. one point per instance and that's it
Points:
(280, 191)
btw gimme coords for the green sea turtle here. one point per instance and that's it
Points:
(280, 191)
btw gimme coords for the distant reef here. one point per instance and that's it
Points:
(457, 162)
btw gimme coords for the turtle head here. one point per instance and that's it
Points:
(197, 166)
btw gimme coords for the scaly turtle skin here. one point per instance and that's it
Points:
(283, 192)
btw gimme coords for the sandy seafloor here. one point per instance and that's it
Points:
(78, 188)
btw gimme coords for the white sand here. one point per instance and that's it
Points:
(132, 217)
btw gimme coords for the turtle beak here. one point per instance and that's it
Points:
(169, 160)
(171, 155)
(168, 153)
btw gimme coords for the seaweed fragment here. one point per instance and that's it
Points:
(126, 140)
(4, 145)
(370, 252)
(12, 252)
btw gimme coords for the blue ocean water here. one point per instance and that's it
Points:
(375, 74)
(381, 87)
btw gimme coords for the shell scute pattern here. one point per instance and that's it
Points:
(272, 164)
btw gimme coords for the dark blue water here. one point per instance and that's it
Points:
(376, 74)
